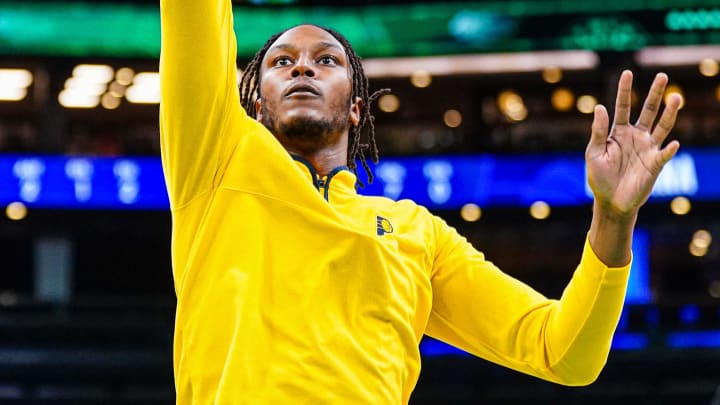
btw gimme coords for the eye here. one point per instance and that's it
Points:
(282, 61)
(327, 60)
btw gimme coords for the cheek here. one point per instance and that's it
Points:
(268, 87)
(269, 98)
(343, 93)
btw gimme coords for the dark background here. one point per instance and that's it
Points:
(110, 342)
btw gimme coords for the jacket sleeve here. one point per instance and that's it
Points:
(199, 94)
(482, 310)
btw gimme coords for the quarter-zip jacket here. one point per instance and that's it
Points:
(321, 183)
(292, 294)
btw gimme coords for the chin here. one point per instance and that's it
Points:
(303, 113)
(308, 126)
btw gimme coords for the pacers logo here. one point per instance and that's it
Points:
(383, 226)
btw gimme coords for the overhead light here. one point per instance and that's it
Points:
(145, 89)
(452, 118)
(697, 251)
(19, 78)
(16, 211)
(421, 78)
(87, 84)
(470, 212)
(124, 76)
(12, 93)
(708, 67)
(552, 74)
(562, 99)
(540, 210)
(680, 205)
(109, 101)
(14, 84)
(512, 105)
(116, 89)
(674, 89)
(70, 98)
(702, 238)
(89, 87)
(700, 243)
(481, 63)
(676, 55)
(586, 104)
(147, 79)
(388, 103)
(94, 73)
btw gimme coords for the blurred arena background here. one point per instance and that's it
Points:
(486, 125)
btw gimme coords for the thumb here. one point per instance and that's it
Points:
(600, 125)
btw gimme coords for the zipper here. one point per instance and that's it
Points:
(325, 183)
(320, 183)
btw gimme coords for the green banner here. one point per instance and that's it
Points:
(83, 29)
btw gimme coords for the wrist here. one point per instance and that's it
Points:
(610, 214)
(611, 234)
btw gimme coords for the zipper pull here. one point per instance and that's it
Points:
(320, 183)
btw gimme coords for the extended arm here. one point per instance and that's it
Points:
(199, 94)
(623, 166)
(482, 310)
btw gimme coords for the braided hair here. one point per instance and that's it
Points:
(250, 89)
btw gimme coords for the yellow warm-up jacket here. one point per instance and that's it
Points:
(293, 291)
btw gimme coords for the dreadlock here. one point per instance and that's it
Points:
(250, 89)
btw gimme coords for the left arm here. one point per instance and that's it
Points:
(482, 310)
(623, 166)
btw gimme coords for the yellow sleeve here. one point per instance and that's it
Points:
(199, 94)
(483, 311)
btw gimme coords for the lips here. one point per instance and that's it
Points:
(302, 88)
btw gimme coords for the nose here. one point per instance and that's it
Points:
(303, 67)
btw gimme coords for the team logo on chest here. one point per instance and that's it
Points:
(383, 226)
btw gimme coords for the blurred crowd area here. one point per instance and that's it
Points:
(19, 137)
(131, 138)
(452, 114)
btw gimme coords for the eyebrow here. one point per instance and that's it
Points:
(318, 46)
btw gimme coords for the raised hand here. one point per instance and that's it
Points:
(623, 165)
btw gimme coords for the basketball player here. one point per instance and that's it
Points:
(292, 288)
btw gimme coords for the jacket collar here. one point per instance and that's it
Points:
(338, 184)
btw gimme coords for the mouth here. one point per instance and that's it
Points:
(302, 89)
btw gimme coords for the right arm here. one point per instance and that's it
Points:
(199, 94)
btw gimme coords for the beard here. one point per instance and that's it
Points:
(307, 129)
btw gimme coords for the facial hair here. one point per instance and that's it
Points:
(307, 129)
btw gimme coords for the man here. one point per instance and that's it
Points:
(288, 292)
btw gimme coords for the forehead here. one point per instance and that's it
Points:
(305, 36)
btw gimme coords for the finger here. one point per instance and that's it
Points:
(622, 104)
(668, 152)
(652, 102)
(667, 120)
(600, 125)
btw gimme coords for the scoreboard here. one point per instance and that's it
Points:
(441, 182)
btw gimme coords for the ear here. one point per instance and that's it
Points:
(356, 111)
(258, 110)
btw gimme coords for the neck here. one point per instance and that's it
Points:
(323, 157)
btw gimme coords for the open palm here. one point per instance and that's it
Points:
(622, 165)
